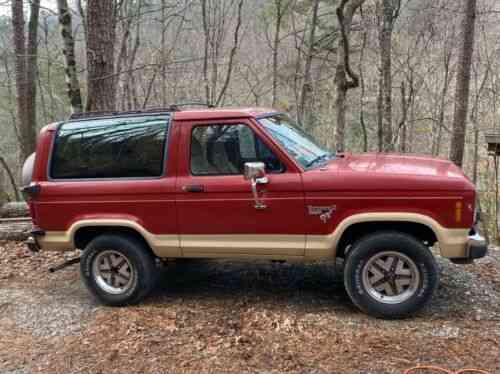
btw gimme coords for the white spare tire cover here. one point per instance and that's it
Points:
(28, 169)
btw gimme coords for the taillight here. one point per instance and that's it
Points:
(32, 208)
(32, 190)
(30, 193)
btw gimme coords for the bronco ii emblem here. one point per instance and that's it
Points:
(324, 212)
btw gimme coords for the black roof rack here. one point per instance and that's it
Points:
(111, 113)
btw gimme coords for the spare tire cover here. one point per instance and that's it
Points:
(28, 169)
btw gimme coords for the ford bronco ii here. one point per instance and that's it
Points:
(132, 189)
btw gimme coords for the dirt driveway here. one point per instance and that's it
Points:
(236, 317)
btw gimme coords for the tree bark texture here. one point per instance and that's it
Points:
(26, 73)
(345, 14)
(385, 41)
(101, 81)
(73, 85)
(281, 7)
(463, 83)
(306, 110)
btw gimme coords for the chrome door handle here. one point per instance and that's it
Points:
(259, 204)
(194, 188)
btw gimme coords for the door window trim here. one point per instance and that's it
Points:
(242, 123)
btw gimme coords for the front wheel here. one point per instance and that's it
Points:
(390, 274)
(117, 269)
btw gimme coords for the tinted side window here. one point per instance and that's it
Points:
(224, 149)
(110, 148)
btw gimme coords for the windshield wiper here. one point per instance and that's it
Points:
(317, 159)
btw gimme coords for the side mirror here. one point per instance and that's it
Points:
(254, 170)
(256, 173)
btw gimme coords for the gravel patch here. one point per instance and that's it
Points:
(46, 314)
(464, 292)
(235, 316)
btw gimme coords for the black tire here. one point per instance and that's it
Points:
(373, 247)
(140, 262)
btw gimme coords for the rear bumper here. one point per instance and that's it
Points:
(32, 241)
(475, 248)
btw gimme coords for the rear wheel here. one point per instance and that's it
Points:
(118, 270)
(390, 274)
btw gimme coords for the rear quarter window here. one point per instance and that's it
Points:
(110, 148)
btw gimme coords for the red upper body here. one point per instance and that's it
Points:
(179, 202)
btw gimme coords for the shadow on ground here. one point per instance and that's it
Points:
(283, 283)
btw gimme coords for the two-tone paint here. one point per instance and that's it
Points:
(307, 211)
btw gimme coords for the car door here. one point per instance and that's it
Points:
(216, 208)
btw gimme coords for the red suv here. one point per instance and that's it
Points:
(132, 189)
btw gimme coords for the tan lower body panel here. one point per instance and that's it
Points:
(246, 245)
(55, 241)
(452, 242)
(162, 245)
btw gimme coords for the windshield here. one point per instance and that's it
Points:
(297, 143)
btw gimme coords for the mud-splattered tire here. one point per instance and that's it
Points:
(118, 269)
(390, 275)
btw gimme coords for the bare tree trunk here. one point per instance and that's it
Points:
(305, 112)
(83, 16)
(26, 73)
(380, 109)
(463, 83)
(232, 55)
(363, 90)
(473, 118)
(411, 130)
(345, 14)
(101, 29)
(18, 29)
(406, 103)
(206, 45)
(163, 43)
(389, 13)
(280, 12)
(73, 85)
(436, 145)
(32, 72)
(214, 17)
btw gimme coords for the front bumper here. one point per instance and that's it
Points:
(476, 248)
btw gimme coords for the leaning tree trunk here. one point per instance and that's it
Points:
(101, 30)
(463, 83)
(73, 85)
